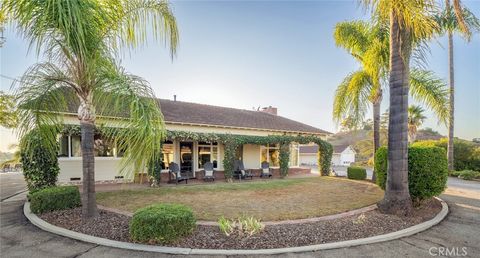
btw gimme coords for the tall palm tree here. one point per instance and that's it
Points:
(368, 43)
(410, 22)
(416, 118)
(464, 25)
(80, 40)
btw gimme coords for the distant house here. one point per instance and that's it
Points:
(343, 155)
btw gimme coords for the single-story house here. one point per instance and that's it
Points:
(191, 155)
(343, 155)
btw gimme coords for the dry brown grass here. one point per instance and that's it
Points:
(267, 200)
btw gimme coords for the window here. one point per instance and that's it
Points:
(76, 150)
(207, 152)
(63, 151)
(102, 147)
(270, 154)
(167, 152)
(294, 154)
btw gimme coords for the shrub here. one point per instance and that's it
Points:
(243, 226)
(54, 198)
(455, 173)
(40, 167)
(466, 155)
(162, 223)
(469, 175)
(357, 173)
(427, 171)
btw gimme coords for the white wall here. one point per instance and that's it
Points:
(308, 158)
(106, 169)
(251, 156)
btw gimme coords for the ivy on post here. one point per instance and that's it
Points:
(284, 158)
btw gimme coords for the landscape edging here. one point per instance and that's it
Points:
(34, 219)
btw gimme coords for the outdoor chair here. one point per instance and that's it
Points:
(240, 172)
(209, 172)
(266, 170)
(175, 175)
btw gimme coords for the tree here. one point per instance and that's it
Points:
(368, 43)
(463, 23)
(80, 40)
(415, 120)
(8, 116)
(411, 23)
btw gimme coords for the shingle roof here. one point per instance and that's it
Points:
(308, 149)
(193, 113)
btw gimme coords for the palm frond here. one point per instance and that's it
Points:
(352, 97)
(38, 97)
(143, 127)
(127, 23)
(432, 91)
(354, 36)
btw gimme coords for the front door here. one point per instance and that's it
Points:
(186, 159)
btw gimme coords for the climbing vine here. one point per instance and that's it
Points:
(232, 141)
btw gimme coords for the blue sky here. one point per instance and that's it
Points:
(260, 53)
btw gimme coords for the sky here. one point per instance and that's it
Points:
(249, 54)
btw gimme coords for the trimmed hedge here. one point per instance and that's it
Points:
(427, 171)
(162, 223)
(54, 198)
(357, 173)
(469, 175)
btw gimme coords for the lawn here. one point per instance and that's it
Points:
(267, 200)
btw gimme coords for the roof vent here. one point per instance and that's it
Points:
(174, 97)
(271, 110)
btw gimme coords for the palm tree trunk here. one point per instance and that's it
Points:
(397, 197)
(376, 130)
(452, 102)
(86, 115)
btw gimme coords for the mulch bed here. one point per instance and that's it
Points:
(115, 226)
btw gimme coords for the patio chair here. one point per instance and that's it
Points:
(174, 170)
(240, 172)
(209, 172)
(266, 170)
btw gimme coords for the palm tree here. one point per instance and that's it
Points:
(415, 120)
(369, 45)
(80, 40)
(411, 23)
(463, 24)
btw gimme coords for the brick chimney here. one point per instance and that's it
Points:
(271, 110)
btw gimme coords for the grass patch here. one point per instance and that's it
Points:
(266, 200)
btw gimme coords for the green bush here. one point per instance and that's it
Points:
(357, 173)
(469, 175)
(40, 167)
(427, 171)
(54, 198)
(455, 173)
(466, 155)
(161, 223)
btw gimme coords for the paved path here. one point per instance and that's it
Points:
(460, 229)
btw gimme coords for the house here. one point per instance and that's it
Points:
(343, 155)
(191, 154)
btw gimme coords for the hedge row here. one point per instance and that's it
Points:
(54, 198)
(357, 173)
(427, 171)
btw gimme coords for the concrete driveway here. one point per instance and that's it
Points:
(461, 229)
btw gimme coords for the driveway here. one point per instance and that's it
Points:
(461, 229)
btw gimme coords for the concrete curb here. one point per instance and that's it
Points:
(34, 219)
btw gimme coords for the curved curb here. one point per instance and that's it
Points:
(34, 219)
